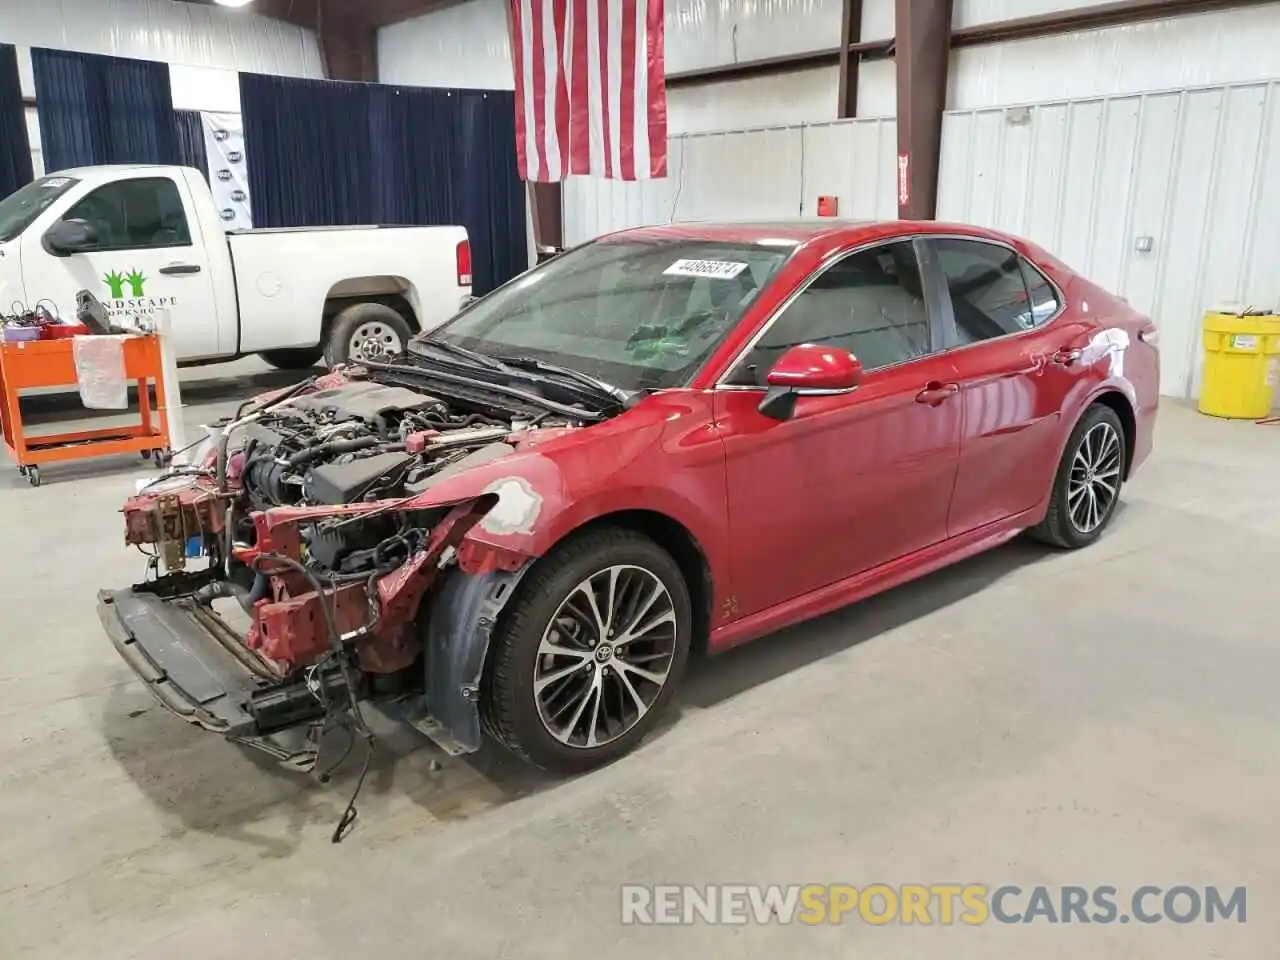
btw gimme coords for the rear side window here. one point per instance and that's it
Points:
(135, 215)
(993, 291)
(1043, 294)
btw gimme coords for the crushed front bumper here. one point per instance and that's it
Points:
(189, 660)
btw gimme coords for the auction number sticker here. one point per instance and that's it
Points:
(1244, 341)
(714, 269)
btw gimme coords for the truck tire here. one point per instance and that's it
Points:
(296, 359)
(366, 331)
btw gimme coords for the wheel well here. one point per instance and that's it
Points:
(1119, 403)
(673, 537)
(394, 292)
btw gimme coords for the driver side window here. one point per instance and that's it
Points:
(135, 215)
(870, 303)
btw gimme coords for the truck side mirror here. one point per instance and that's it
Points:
(70, 236)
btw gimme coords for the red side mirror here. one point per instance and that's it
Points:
(811, 368)
(808, 369)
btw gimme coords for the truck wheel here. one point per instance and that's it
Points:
(366, 331)
(298, 359)
(589, 652)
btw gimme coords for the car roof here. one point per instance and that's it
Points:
(794, 232)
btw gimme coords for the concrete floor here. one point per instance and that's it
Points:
(1103, 717)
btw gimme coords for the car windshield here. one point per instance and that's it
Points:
(19, 209)
(637, 314)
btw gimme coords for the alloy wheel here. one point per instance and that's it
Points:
(1094, 482)
(605, 657)
(375, 341)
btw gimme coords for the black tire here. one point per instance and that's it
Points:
(1058, 528)
(337, 348)
(295, 359)
(509, 706)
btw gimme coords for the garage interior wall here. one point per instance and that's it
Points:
(1166, 129)
(764, 174)
(466, 45)
(1093, 144)
(205, 46)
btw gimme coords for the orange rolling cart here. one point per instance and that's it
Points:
(30, 365)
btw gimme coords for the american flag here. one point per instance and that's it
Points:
(591, 94)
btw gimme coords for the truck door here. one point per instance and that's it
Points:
(141, 258)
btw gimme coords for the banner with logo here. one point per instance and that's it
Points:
(228, 173)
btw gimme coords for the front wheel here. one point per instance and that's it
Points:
(1087, 486)
(589, 652)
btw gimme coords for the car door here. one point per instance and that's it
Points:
(1017, 360)
(143, 259)
(849, 481)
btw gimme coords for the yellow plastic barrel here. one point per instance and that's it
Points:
(1241, 365)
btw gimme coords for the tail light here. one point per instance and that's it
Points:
(464, 263)
(1149, 333)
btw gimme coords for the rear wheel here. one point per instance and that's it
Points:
(297, 359)
(1087, 486)
(589, 653)
(366, 331)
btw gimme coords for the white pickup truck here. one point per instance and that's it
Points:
(143, 238)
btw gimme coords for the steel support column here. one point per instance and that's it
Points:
(850, 58)
(923, 41)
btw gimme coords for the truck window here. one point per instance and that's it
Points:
(135, 215)
(19, 210)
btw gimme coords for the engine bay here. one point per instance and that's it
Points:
(314, 451)
(359, 441)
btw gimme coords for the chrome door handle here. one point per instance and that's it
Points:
(936, 393)
(1065, 358)
(180, 268)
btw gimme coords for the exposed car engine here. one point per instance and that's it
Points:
(362, 441)
(326, 444)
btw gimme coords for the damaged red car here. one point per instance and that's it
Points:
(664, 442)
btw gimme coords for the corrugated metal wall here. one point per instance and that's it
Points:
(1196, 171)
(770, 173)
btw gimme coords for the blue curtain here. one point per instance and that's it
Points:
(96, 109)
(15, 151)
(322, 153)
(189, 133)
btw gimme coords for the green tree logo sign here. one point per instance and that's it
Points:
(116, 282)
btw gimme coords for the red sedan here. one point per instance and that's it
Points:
(668, 440)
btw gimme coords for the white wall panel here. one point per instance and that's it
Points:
(969, 13)
(176, 33)
(1198, 171)
(467, 45)
(755, 102)
(773, 173)
(1228, 46)
(707, 33)
(877, 20)
(877, 88)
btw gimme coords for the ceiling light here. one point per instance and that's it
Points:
(232, 3)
